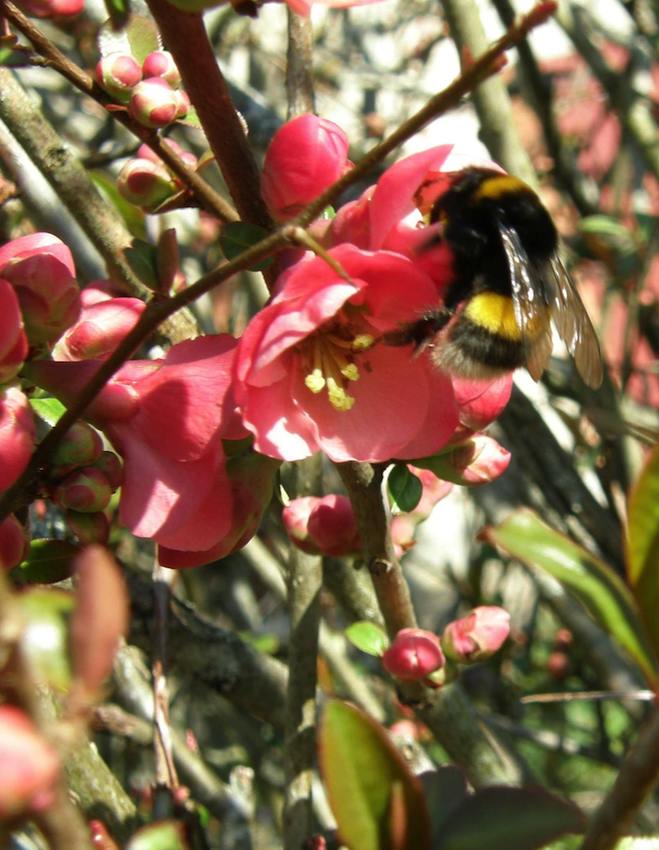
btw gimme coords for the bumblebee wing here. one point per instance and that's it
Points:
(574, 326)
(529, 298)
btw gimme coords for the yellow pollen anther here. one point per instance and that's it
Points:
(315, 381)
(362, 341)
(351, 372)
(338, 397)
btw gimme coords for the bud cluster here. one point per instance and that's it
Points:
(151, 92)
(417, 655)
(83, 476)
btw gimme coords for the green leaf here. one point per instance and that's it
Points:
(238, 236)
(445, 789)
(377, 802)
(139, 37)
(368, 637)
(405, 488)
(48, 409)
(45, 639)
(143, 259)
(163, 835)
(523, 535)
(501, 818)
(47, 562)
(132, 215)
(191, 119)
(643, 544)
(633, 843)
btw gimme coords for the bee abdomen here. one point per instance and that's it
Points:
(470, 352)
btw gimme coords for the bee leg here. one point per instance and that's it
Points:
(420, 332)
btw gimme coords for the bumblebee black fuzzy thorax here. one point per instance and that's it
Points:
(508, 284)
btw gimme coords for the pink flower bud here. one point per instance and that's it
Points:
(80, 446)
(28, 765)
(111, 466)
(13, 342)
(88, 528)
(305, 156)
(16, 435)
(479, 460)
(14, 542)
(51, 8)
(413, 655)
(40, 268)
(100, 329)
(154, 103)
(324, 526)
(183, 103)
(145, 152)
(86, 490)
(145, 184)
(161, 63)
(478, 635)
(117, 73)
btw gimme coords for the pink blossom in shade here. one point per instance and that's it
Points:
(310, 374)
(17, 433)
(165, 418)
(14, 542)
(413, 655)
(13, 342)
(478, 635)
(99, 330)
(29, 766)
(322, 525)
(305, 156)
(251, 479)
(51, 8)
(40, 268)
(481, 402)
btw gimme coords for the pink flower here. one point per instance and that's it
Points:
(311, 376)
(413, 655)
(28, 765)
(13, 342)
(16, 435)
(478, 635)
(99, 330)
(51, 8)
(40, 268)
(480, 402)
(166, 418)
(322, 526)
(305, 156)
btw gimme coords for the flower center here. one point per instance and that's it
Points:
(328, 362)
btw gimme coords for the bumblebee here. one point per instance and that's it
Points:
(508, 285)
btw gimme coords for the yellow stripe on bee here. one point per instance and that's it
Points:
(495, 187)
(493, 312)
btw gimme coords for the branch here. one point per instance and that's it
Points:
(636, 779)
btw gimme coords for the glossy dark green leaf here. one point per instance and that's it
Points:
(143, 259)
(368, 637)
(643, 544)
(405, 488)
(377, 802)
(525, 536)
(163, 835)
(47, 562)
(238, 236)
(445, 790)
(502, 818)
(48, 409)
(131, 214)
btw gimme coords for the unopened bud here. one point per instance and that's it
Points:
(111, 466)
(13, 342)
(324, 525)
(479, 460)
(14, 543)
(161, 63)
(118, 73)
(477, 636)
(88, 527)
(100, 329)
(86, 490)
(80, 446)
(145, 183)
(413, 655)
(154, 103)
